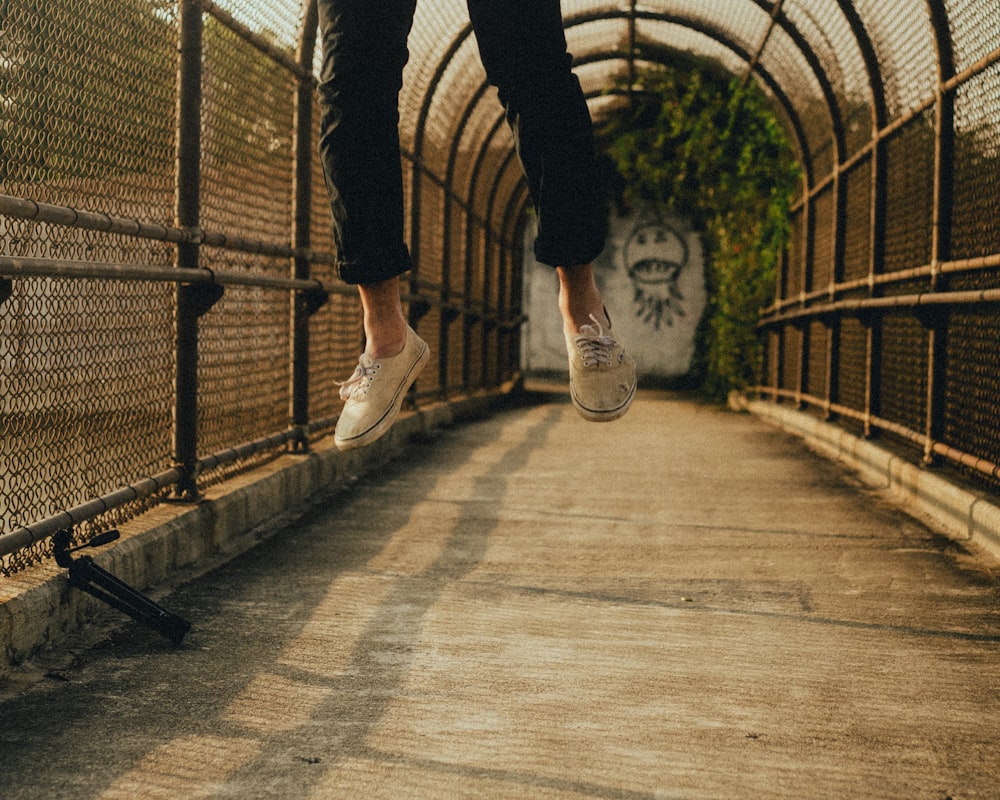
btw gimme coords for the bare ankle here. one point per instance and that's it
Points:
(580, 301)
(385, 338)
(384, 322)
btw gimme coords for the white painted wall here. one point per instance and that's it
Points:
(652, 277)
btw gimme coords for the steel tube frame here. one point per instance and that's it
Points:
(932, 307)
(188, 208)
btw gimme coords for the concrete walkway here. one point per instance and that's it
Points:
(684, 604)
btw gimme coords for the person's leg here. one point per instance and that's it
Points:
(523, 48)
(364, 52)
(363, 58)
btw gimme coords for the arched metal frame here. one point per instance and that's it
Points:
(884, 318)
(835, 273)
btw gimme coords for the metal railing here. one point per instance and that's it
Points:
(886, 319)
(169, 311)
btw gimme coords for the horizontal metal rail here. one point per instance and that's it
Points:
(887, 279)
(908, 302)
(947, 452)
(111, 271)
(28, 535)
(20, 208)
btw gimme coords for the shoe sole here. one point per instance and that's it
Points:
(385, 422)
(604, 415)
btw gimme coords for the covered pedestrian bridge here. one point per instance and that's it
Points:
(170, 317)
(168, 299)
(685, 603)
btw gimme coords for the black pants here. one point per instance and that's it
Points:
(523, 48)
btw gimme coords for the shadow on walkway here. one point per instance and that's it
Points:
(682, 604)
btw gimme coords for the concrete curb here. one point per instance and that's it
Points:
(172, 543)
(956, 511)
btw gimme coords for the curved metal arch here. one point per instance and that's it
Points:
(450, 167)
(471, 191)
(420, 130)
(880, 109)
(631, 15)
(451, 195)
(499, 180)
(943, 44)
(944, 151)
(826, 88)
(482, 314)
(869, 58)
(477, 167)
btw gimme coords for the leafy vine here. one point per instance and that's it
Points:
(700, 144)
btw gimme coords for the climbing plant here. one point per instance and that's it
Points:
(700, 144)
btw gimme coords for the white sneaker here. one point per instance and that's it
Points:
(602, 376)
(375, 392)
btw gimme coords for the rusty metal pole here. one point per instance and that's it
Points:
(303, 304)
(188, 215)
(944, 146)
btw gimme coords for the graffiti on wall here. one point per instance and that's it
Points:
(655, 255)
(652, 278)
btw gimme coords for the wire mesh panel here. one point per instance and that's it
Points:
(793, 268)
(904, 371)
(246, 140)
(243, 368)
(976, 225)
(791, 359)
(971, 412)
(857, 254)
(817, 344)
(88, 107)
(909, 216)
(913, 281)
(86, 401)
(973, 27)
(819, 273)
(851, 366)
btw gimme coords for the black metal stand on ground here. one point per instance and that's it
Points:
(86, 575)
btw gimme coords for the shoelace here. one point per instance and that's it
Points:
(356, 387)
(594, 344)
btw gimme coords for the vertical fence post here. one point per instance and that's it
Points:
(873, 371)
(944, 147)
(303, 304)
(188, 214)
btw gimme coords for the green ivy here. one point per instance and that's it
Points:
(703, 145)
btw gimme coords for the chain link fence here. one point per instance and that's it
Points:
(886, 317)
(169, 310)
